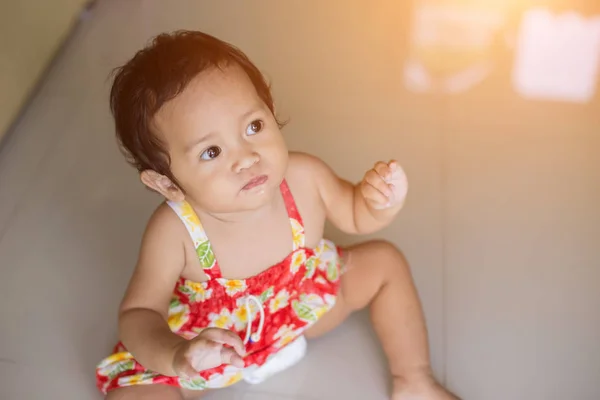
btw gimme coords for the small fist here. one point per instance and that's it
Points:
(208, 350)
(384, 186)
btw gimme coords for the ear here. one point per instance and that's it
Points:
(162, 185)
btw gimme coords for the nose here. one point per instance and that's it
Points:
(245, 159)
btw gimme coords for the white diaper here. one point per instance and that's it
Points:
(280, 361)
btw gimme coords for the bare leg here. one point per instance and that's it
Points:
(379, 275)
(154, 392)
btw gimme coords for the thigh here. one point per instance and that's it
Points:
(154, 392)
(367, 266)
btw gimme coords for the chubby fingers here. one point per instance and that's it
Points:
(224, 336)
(393, 167)
(386, 170)
(186, 370)
(229, 356)
(211, 348)
(206, 354)
(375, 187)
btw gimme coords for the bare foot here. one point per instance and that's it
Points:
(423, 389)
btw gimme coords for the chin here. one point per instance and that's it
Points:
(258, 197)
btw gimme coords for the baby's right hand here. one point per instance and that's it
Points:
(207, 351)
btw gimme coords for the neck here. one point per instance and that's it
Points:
(240, 217)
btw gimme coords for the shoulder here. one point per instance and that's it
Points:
(303, 175)
(302, 178)
(164, 244)
(305, 171)
(304, 164)
(307, 176)
(312, 172)
(163, 217)
(165, 226)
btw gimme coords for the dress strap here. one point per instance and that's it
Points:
(295, 218)
(204, 250)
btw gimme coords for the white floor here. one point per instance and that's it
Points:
(501, 229)
(71, 215)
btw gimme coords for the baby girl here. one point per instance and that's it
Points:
(234, 274)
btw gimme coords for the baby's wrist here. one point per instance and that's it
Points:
(383, 214)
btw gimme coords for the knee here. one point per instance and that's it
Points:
(386, 248)
(390, 256)
(378, 255)
(383, 245)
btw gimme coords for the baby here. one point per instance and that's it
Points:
(234, 273)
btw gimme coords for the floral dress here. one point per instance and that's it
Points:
(268, 311)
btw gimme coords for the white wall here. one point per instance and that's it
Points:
(30, 33)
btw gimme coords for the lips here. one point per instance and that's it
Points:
(254, 182)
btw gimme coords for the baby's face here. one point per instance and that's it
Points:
(225, 146)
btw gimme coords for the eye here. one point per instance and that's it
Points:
(254, 127)
(211, 153)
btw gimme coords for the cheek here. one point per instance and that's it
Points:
(213, 190)
(184, 171)
(275, 147)
(193, 177)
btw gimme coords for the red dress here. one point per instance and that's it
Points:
(267, 311)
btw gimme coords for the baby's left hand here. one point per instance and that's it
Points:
(384, 186)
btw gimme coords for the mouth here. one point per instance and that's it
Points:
(254, 182)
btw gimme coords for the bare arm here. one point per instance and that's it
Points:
(345, 203)
(143, 323)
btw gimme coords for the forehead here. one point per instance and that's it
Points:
(213, 97)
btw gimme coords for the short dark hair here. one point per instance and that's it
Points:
(157, 74)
